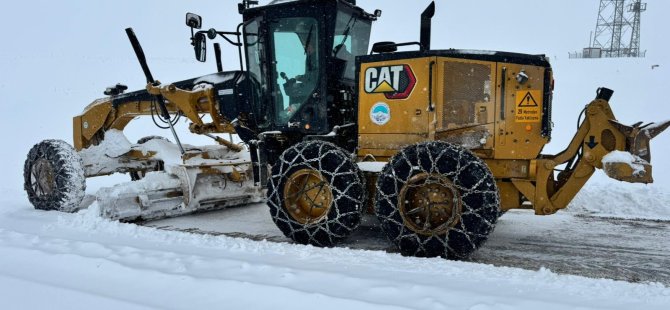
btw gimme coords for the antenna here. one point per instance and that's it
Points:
(617, 20)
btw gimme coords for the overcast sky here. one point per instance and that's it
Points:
(58, 56)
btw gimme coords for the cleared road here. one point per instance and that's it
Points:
(629, 250)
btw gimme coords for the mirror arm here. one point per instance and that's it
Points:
(233, 43)
(225, 34)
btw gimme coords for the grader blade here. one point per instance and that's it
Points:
(163, 195)
(150, 205)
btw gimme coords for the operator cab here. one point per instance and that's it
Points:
(300, 77)
(302, 55)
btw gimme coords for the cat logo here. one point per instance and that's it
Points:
(395, 82)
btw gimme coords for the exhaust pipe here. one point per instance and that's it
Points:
(217, 53)
(426, 19)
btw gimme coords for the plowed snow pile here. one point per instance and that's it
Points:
(623, 200)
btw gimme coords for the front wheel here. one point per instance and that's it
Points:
(315, 194)
(437, 199)
(54, 176)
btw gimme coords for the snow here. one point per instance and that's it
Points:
(166, 151)
(474, 52)
(70, 261)
(103, 157)
(214, 79)
(114, 145)
(89, 261)
(618, 157)
(75, 185)
(372, 166)
(623, 200)
(152, 181)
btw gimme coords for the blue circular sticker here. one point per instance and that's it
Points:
(380, 113)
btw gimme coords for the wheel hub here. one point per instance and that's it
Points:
(430, 204)
(308, 196)
(42, 178)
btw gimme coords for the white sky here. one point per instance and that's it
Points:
(58, 56)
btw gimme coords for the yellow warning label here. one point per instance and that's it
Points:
(528, 106)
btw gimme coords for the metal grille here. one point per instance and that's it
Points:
(467, 87)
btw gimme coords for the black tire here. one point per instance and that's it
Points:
(54, 176)
(340, 184)
(473, 199)
(160, 165)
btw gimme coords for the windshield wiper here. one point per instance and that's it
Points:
(346, 34)
(309, 38)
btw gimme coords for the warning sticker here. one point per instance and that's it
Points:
(528, 106)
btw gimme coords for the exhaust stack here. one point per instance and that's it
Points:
(426, 20)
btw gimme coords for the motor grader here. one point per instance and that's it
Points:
(437, 144)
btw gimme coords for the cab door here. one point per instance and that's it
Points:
(296, 75)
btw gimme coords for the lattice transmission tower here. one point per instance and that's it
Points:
(617, 31)
(637, 7)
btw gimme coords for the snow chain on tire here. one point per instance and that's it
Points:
(54, 176)
(323, 177)
(420, 173)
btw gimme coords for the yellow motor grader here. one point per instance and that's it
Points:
(436, 143)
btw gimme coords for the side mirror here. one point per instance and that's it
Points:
(200, 46)
(384, 47)
(193, 20)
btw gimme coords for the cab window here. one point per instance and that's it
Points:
(352, 38)
(297, 64)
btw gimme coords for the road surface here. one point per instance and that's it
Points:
(596, 247)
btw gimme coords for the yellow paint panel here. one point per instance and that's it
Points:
(528, 106)
(393, 105)
(515, 137)
(405, 105)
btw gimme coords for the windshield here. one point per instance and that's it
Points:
(352, 38)
(297, 64)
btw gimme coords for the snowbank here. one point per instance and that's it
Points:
(623, 200)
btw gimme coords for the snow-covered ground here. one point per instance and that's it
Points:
(58, 56)
(52, 260)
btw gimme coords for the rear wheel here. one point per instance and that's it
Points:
(54, 176)
(437, 199)
(315, 194)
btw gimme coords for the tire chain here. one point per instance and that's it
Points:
(480, 199)
(67, 166)
(344, 178)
